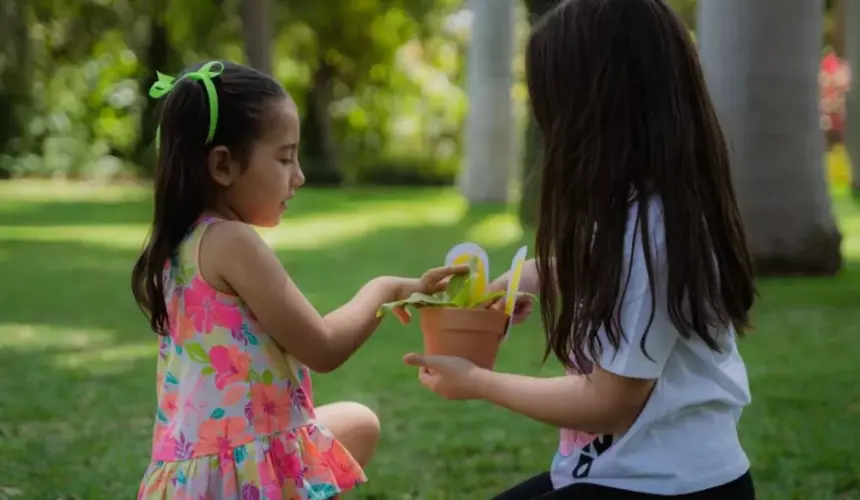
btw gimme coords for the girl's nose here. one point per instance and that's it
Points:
(299, 179)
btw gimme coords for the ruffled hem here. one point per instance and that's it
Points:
(305, 464)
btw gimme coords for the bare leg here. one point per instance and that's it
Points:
(354, 425)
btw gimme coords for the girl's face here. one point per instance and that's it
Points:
(260, 193)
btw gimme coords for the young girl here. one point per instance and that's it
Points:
(235, 412)
(642, 266)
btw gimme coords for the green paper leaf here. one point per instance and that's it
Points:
(489, 297)
(267, 377)
(208, 370)
(416, 300)
(459, 289)
(217, 413)
(457, 294)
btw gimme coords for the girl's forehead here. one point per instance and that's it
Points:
(284, 120)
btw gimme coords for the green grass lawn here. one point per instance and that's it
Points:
(77, 362)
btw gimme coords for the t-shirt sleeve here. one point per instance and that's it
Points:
(637, 303)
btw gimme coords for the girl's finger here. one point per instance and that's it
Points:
(435, 275)
(402, 314)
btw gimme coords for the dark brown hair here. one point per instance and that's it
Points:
(620, 100)
(183, 188)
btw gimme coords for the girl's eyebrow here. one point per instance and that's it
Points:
(288, 147)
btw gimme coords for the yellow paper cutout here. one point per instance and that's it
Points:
(462, 254)
(514, 282)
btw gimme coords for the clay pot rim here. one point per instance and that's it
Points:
(455, 308)
(467, 319)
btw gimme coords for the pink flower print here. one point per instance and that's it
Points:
(287, 465)
(571, 440)
(228, 476)
(162, 443)
(180, 326)
(344, 467)
(270, 408)
(206, 311)
(169, 404)
(220, 436)
(269, 484)
(183, 329)
(231, 365)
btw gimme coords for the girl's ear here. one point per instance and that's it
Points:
(223, 169)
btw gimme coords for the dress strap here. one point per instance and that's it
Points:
(188, 254)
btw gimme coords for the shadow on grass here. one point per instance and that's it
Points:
(77, 369)
(133, 206)
(69, 394)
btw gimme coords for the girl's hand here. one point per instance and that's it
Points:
(528, 283)
(447, 376)
(434, 280)
(522, 309)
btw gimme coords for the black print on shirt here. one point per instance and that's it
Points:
(589, 454)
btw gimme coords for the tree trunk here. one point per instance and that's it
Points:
(15, 78)
(530, 175)
(852, 125)
(257, 33)
(319, 148)
(490, 144)
(157, 57)
(761, 63)
(839, 13)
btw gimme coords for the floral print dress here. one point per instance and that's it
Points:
(235, 416)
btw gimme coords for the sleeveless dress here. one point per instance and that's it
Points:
(235, 416)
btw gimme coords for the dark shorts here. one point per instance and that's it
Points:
(540, 488)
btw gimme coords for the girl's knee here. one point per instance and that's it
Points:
(356, 426)
(364, 421)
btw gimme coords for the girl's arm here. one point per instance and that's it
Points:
(600, 403)
(610, 398)
(233, 258)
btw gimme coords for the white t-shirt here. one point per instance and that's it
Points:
(685, 440)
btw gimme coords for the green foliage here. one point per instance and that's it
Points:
(396, 107)
(79, 362)
(402, 170)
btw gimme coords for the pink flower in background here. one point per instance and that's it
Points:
(834, 79)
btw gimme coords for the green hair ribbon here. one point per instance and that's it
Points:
(165, 83)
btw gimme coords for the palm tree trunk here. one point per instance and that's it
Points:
(852, 125)
(490, 145)
(257, 33)
(15, 78)
(761, 63)
(530, 177)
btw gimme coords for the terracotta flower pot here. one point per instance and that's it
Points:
(473, 334)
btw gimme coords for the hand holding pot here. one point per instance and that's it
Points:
(432, 281)
(448, 376)
(528, 283)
